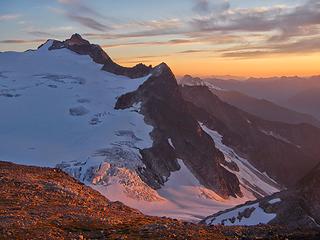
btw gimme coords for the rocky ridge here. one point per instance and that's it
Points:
(83, 47)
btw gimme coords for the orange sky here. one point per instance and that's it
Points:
(259, 67)
(277, 65)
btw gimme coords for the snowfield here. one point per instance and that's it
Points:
(57, 109)
(75, 119)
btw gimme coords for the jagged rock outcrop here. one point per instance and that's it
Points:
(81, 46)
(164, 108)
(273, 147)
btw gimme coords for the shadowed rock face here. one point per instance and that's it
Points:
(77, 44)
(261, 108)
(164, 108)
(286, 152)
(309, 189)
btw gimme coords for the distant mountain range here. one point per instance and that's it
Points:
(260, 107)
(272, 147)
(290, 92)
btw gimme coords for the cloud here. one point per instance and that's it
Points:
(142, 59)
(40, 33)
(283, 29)
(287, 22)
(231, 32)
(88, 22)
(6, 17)
(193, 51)
(138, 34)
(207, 6)
(80, 13)
(149, 43)
(21, 41)
(171, 23)
(302, 46)
(81, 8)
(51, 32)
(201, 6)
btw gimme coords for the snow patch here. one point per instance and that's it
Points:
(170, 143)
(275, 200)
(199, 82)
(250, 178)
(275, 135)
(248, 215)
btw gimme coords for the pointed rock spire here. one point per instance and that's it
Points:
(76, 39)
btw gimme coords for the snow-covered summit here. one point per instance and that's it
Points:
(58, 104)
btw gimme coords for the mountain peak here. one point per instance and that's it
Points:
(76, 36)
(76, 39)
(160, 69)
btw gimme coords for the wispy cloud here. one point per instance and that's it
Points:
(284, 29)
(88, 22)
(287, 21)
(6, 17)
(81, 8)
(150, 43)
(304, 46)
(193, 51)
(39, 33)
(82, 14)
(138, 34)
(207, 6)
(22, 41)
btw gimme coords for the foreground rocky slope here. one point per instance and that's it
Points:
(43, 203)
